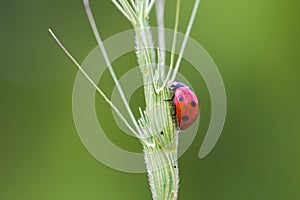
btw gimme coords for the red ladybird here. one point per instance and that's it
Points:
(186, 104)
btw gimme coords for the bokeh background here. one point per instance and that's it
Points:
(256, 46)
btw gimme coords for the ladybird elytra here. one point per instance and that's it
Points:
(186, 105)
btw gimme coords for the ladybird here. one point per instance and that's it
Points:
(185, 104)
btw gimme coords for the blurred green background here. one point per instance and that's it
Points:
(256, 46)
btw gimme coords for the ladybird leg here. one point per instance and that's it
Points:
(172, 99)
(174, 111)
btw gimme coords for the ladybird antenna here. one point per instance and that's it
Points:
(93, 83)
(186, 37)
(108, 63)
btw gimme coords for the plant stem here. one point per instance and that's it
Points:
(161, 158)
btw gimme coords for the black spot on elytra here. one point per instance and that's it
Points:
(185, 118)
(193, 103)
(180, 98)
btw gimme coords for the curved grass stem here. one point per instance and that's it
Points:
(93, 84)
(173, 46)
(160, 16)
(106, 58)
(186, 37)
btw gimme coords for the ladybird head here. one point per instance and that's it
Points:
(176, 85)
